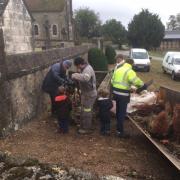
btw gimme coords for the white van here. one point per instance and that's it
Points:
(171, 64)
(141, 59)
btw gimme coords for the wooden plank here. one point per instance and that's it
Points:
(170, 95)
(159, 146)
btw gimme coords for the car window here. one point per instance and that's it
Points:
(172, 61)
(177, 61)
(140, 55)
(167, 59)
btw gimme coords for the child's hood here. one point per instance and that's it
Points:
(60, 98)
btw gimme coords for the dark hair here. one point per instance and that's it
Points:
(103, 93)
(79, 61)
(119, 56)
(130, 61)
(61, 90)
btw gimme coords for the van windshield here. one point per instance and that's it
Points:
(177, 61)
(140, 55)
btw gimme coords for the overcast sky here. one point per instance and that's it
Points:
(124, 10)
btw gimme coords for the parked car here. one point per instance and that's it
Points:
(141, 59)
(171, 64)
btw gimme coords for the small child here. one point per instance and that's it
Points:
(105, 104)
(64, 107)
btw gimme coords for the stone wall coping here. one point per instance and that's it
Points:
(22, 64)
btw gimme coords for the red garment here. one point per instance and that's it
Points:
(60, 98)
(63, 106)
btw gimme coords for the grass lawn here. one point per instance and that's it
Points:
(160, 79)
(157, 53)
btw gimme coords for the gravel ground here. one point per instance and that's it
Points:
(131, 158)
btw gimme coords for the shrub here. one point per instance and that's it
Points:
(110, 54)
(97, 59)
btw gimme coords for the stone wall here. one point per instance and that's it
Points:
(21, 96)
(17, 28)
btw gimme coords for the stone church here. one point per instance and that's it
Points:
(16, 24)
(53, 23)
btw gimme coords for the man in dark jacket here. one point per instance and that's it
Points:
(55, 78)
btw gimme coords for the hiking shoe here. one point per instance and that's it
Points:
(123, 135)
(83, 131)
(62, 131)
(105, 133)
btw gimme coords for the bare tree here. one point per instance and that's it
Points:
(174, 22)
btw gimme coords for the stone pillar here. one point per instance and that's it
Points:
(5, 112)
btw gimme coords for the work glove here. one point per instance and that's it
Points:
(69, 81)
(64, 83)
(142, 88)
(75, 76)
(145, 86)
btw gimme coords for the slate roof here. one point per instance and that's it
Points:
(45, 5)
(172, 34)
(3, 4)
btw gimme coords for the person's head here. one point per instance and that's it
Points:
(61, 90)
(119, 58)
(103, 93)
(67, 64)
(80, 63)
(130, 61)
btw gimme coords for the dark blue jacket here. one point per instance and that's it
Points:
(54, 78)
(104, 104)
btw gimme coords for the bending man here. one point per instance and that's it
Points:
(55, 78)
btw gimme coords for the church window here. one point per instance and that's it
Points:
(54, 30)
(36, 30)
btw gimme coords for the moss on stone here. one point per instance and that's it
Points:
(19, 172)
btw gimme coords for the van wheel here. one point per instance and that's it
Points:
(163, 70)
(147, 69)
(173, 76)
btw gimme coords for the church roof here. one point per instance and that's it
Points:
(45, 5)
(3, 4)
(174, 34)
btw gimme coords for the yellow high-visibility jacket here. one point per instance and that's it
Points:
(123, 77)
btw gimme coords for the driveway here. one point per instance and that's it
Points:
(126, 53)
(123, 52)
(157, 58)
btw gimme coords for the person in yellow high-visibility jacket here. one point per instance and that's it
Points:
(123, 77)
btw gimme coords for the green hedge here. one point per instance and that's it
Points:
(97, 59)
(110, 54)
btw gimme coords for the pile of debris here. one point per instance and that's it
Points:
(158, 117)
(30, 169)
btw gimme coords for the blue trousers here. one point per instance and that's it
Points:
(63, 124)
(121, 107)
(105, 123)
(53, 104)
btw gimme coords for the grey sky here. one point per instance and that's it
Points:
(124, 10)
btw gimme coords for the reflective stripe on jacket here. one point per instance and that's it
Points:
(122, 79)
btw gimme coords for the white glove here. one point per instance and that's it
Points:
(75, 76)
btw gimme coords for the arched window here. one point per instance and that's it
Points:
(54, 30)
(36, 29)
